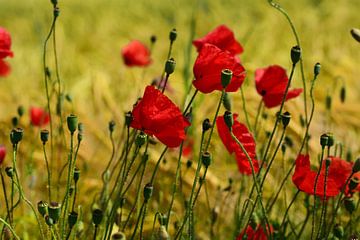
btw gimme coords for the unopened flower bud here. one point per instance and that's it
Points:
(173, 35)
(44, 135)
(54, 210)
(128, 118)
(170, 66)
(324, 139)
(226, 75)
(206, 159)
(338, 231)
(162, 219)
(285, 119)
(354, 182)
(21, 110)
(356, 166)
(140, 139)
(206, 125)
(349, 205)
(72, 123)
(227, 101)
(54, 2)
(317, 69)
(73, 216)
(68, 97)
(355, 33)
(97, 216)
(9, 172)
(295, 54)
(42, 208)
(229, 120)
(16, 135)
(148, 190)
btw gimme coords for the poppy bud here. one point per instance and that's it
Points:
(153, 39)
(14, 121)
(112, 126)
(140, 139)
(356, 166)
(226, 75)
(170, 66)
(20, 110)
(355, 34)
(118, 236)
(188, 163)
(162, 233)
(56, 12)
(16, 135)
(295, 54)
(72, 122)
(229, 120)
(49, 221)
(331, 140)
(54, 2)
(54, 210)
(2, 153)
(338, 231)
(227, 101)
(73, 216)
(80, 127)
(148, 190)
(328, 101)
(76, 174)
(42, 207)
(44, 136)
(349, 205)
(97, 216)
(324, 139)
(354, 182)
(317, 68)
(342, 94)
(285, 118)
(206, 159)
(9, 172)
(128, 118)
(206, 125)
(68, 97)
(173, 35)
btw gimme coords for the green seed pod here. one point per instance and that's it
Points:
(112, 126)
(172, 35)
(331, 140)
(44, 136)
(72, 123)
(226, 75)
(354, 182)
(206, 125)
(356, 166)
(21, 110)
(49, 221)
(54, 210)
(206, 159)
(355, 33)
(148, 190)
(54, 2)
(97, 216)
(118, 236)
(342, 94)
(68, 97)
(73, 216)
(162, 219)
(56, 12)
(9, 172)
(80, 127)
(76, 174)
(324, 139)
(16, 135)
(128, 118)
(317, 68)
(229, 120)
(285, 119)
(140, 139)
(14, 121)
(350, 205)
(295, 54)
(170, 66)
(227, 101)
(42, 208)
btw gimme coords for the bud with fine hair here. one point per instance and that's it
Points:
(229, 120)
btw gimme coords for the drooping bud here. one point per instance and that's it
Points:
(206, 159)
(49, 221)
(16, 135)
(162, 234)
(140, 139)
(285, 118)
(170, 66)
(229, 120)
(295, 54)
(317, 69)
(97, 216)
(172, 35)
(42, 208)
(226, 75)
(44, 135)
(72, 123)
(227, 101)
(206, 125)
(54, 210)
(148, 190)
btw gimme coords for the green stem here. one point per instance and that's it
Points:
(48, 173)
(244, 108)
(10, 228)
(157, 165)
(287, 211)
(5, 194)
(323, 209)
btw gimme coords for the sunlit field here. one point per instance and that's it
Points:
(179, 119)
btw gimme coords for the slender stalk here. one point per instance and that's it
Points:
(48, 173)
(190, 102)
(166, 80)
(142, 221)
(137, 221)
(323, 209)
(95, 231)
(5, 194)
(10, 228)
(244, 108)
(287, 211)
(258, 113)
(157, 165)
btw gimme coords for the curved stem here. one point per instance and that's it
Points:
(287, 210)
(48, 172)
(10, 228)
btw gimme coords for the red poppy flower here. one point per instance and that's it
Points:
(39, 117)
(244, 136)
(136, 54)
(4, 68)
(304, 178)
(2, 153)
(5, 44)
(223, 38)
(157, 115)
(271, 84)
(208, 66)
(254, 234)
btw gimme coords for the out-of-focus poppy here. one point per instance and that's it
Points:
(39, 117)
(136, 54)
